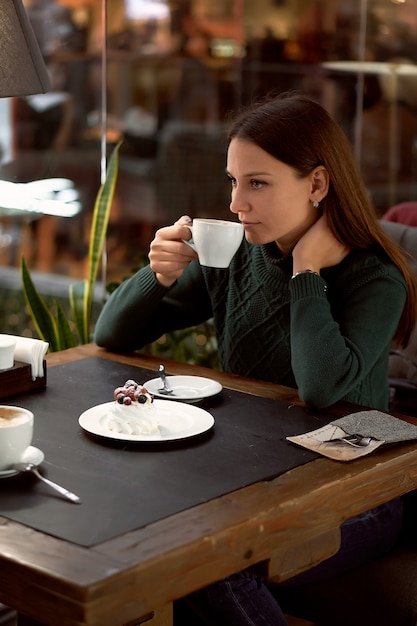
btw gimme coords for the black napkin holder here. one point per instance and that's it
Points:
(18, 379)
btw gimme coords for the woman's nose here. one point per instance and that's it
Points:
(237, 204)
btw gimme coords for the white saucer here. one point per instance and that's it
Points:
(191, 388)
(30, 455)
(177, 420)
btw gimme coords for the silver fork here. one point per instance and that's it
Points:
(166, 389)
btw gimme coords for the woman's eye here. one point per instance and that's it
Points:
(257, 184)
(232, 181)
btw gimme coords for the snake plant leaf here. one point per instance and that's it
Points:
(77, 304)
(65, 334)
(42, 317)
(82, 297)
(57, 330)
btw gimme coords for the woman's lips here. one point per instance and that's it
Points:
(249, 225)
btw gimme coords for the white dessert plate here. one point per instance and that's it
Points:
(176, 421)
(185, 387)
(30, 455)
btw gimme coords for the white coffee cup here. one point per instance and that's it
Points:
(215, 241)
(7, 346)
(16, 432)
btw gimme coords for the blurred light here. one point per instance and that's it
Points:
(51, 196)
(146, 9)
(225, 48)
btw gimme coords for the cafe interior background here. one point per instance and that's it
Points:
(162, 76)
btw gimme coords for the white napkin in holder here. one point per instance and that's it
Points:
(29, 369)
(33, 352)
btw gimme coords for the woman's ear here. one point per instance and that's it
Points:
(319, 183)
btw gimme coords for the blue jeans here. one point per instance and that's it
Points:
(245, 599)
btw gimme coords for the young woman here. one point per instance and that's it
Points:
(312, 299)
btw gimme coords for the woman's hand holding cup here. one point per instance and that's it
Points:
(168, 254)
(213, 242)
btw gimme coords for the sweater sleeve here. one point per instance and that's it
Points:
(332, 356)
(140, 310)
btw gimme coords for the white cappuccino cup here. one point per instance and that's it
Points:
(215, 241)
(16, 432)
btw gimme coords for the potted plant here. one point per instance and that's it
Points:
(54, 327)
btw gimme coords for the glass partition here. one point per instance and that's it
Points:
(175, 72)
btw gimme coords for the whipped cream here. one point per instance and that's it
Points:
(133, 411)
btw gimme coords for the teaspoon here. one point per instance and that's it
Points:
(166, 389)
(30, 467)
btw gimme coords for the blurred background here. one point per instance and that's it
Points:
(171, 72)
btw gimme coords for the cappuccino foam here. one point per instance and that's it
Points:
(11, 417)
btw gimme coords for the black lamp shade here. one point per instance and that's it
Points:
(22, 68)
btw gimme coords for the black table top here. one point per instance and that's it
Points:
(124, 485)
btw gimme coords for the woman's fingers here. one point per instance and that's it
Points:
(168, 254)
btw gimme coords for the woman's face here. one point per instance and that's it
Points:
(268, 197)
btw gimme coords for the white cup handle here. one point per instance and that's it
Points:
(190, 242)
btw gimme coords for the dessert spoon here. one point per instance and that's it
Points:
(30, 467)
(166, 389)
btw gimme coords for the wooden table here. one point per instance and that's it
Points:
(286, 524)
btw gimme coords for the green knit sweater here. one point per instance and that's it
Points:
(327, 335)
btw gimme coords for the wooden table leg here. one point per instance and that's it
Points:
(313, 551)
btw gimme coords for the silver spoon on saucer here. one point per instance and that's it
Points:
(31, 467)
(166, 389)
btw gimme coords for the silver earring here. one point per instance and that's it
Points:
(316, 204)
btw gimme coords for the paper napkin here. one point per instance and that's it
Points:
(385, 428)
(32, 351)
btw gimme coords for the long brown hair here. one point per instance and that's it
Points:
(299, 132)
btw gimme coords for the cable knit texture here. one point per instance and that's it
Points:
(327, 335)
